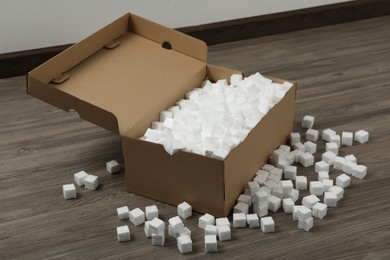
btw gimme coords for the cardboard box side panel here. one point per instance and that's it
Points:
(80, 51)
(180, 42)
(244, 161)
(215, 73)
(69, 103)
(153, 173)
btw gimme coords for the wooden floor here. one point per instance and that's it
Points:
(343, 73)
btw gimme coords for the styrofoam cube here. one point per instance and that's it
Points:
(274, 203)
(222, 222)
(210, 243)
(306, 159)
(276, 175)
(205, 220)
(91, 182)
(278, 191)
(351, 158)
(290, 172)
(261, 176)
(312, 135)
(268, 167)
(137, 216)
(69, 191)
(300, 146)
(323, 175)
(338, 191)
(261, 210)
(241, 207)
(327, 133)
(343, 180)
(123, 212)
(79, 177)
(316, 188)
(346, 138)
(319, 210)
(327, 184)
(252, 220)
(329, 157)
(157, 226)
(151, 212)
(305, 224)
(254, 187)
(224, 233)
(267, 224)
(308, 121)
(184, 244)
(295, 211)
(123, 233)
(335, 139)
(270, 184)
(321, 166)
(113, 166)
(338, 163)
(294, 195)
(261, 197)
(147, 229)
(330, 199)
(288, 205)
(245, 199)
(239, 220)
(333, 147)
(287, 186)
(210, 230)
(295, 138)
(158, 239)
(359, 171)
(310, 147)
(310, 200)
(176, 224)
(348, 167)
(303, 213)
(184, 210)
(301, 183)
(361, 136)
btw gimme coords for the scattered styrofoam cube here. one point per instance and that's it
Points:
(295, 211)
(310, 200)
(351, 158)
(338, 163)
(210, 230)
(184, 244)
(321, 166)
(312, 135)
(222, 222)
(323, 175)
(310, 147)
(252, 220)
(79, 177)
(235, 78)
(361, 136)
(308, 121)
(69, 191)
(151, 212)
(254, 187)
(287, 186)
(305, 224)
(288, 205)
(333, 147)
(306, 159)
(147, 229)
(316, 188)
(300, 146)
(91, 182)
(261, 176)
(123, 233)
(176, 224)
(270, 184)
(301, 183)
(348, 167)
(338, 191)
(261, 197)
(184, 210)
(241, 207)
(303, 212)
(205, 220)
(245, 199)
(359, 171)
(284, 148)
(278, 191)
(346, 138)
(343, 180)
(330, 199)
(261, 210)
(319, 210)
(113, 166)
(239, 220)
(335, 139)
(276, 175)
(295, 138)
(290, 172)
(268, 167)
(210, 243)
(293, 194)
(158, 239)
(224, 233)
(123, 212)
(327, 133)
(274, 203)
(267, 224)
(327, 184)
(137, 216)
(329, 157)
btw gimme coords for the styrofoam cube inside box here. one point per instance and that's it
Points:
(343, 180)
(321, 166)
(113, 166)
(312, 135)
(297, 155)
(310, 147)
(306, 159)
(210, 243)
(319, 210)
(276, 174)
(327, 133)
(295, 211)
(338, 191)
(361, 136)
(316, 188)
(332, 147)
(329, 157)
(270, 184)
(288, 205)
(346, 138)
(224, 233)
(205, 220)
(137, 216)
(359, 171)
(323, 175)
(123, 233)
(290, 172)
(184, 210)
(287, 186)
(295, 138)
(123, 212)
(254, 187)
(222, 222)
(69, 191)
(335, 139)
(284, 148)
(308, 121)
(274, 203)
(267, 224)
(301, 183)
(241, 207)
(245, 199)
(327, 184)
(184, 244)
(239, 220)
(151, 212)
(338, 163)
(79, 177)
(310, 200)
(330, 199)
(210, 230)
(294, 195)
(91, 182)
(252, 220)
(306, 224)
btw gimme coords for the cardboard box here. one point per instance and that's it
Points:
(122, 76)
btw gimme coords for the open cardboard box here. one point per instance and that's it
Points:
(122, 76)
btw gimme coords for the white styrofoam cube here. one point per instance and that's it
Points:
(147, 229)
(274, 203)
(348, 167)
(210, 243)
(295, 138)
(301, 183)
(287, 186)
(79, 177)
(184, 244)
(69, 191)
(312, 135)
(359, 171)
(224, 233)
(316, 188)
(329, 157)
(270, 184)
(254, 187)
(151, 212)
(327, 184)
(351, 158)
(305, 224)
(222, 222)
(330, 199)
(323, 175)
(288, 205)
(299, 146)
(205, 220)
(284, 148)
(319, 210)
(268, 167)
(327, 133)
(261, 176)
(290, 172)
(123, 212)
(308, 121)
(338, 163)
(321, 166)
(267, 224)
(295, 211)
(91, 182)
(241, 207)
(184, 210)
(361, 136)
(123, 233)
(137, 216)
(294, 195)
(335, 139)
(278, 191)
(176, 224)
(261, 210)
(310, 147)
(333, 147)
(343, 180)
(306, 159)
(338, 191)
(346, 138)
(303, 213)
(261, 197)
(252, 220)
(157, 226)
(245, 199)
(210, 230)
(165, 114)
(239, 220)
(113, 166)
(310, 200)
(158, 239)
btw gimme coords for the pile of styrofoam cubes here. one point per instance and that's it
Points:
(214, 119)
